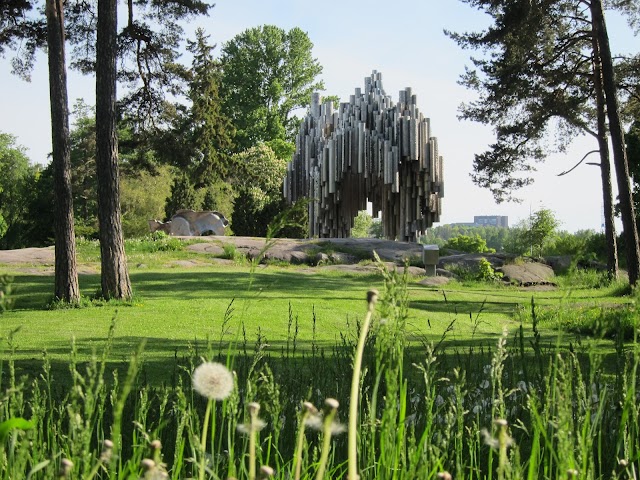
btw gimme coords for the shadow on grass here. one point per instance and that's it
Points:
(35, 291)
(325, 365)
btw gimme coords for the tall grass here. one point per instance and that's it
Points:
(518, 410)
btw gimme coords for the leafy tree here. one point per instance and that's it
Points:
(469, 244)
(267, 74)
(542, 227)
(38, 228)
(528, 92)
(143, 197)
(15, 176)
(83, 170)
(361, 225)
(258, 181)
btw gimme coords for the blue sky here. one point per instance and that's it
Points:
(404, 41)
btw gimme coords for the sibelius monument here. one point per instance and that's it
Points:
(370, 149)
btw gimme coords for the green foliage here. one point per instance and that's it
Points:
(142, 198)
(231, 252)
(536, 99)
(267, 73)
(209, 132)
(495, 237)
(82, 140)
(218, 196)
(16, 175)
(13, 424)
(499, 412)
(282, 148)
(182, 196)
(361, 225)
(154, 242)
(486, 273)
(595, 321)
(542, 228)
(259, 172)
(469, 244)
(632, 139)
(6, 289)
(257, 179)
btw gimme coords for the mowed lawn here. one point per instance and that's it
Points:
(178, 309)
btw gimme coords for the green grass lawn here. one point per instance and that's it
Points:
(177, 309)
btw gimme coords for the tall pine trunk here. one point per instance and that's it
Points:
(605, 161)
(617, 140)
(66, 274)
(114, 273)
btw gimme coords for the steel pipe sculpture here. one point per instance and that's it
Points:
(370, 149)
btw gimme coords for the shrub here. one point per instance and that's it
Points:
(486, 273)
(469, 244)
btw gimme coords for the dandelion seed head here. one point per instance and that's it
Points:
(255, 426)
(156, 445)
(266, 471)
(331, 403)
(310, 408)
(213, 381)
(66, 466)
(501, 422)
(107, 447)
(488, 439)
(253, 408)
(314, 422)
(372, 296)
(337, 428)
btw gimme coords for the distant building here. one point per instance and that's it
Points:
(485, 221)
(491, 220)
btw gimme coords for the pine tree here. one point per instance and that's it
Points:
(529, 93)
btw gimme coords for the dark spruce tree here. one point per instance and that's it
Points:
(210, 131)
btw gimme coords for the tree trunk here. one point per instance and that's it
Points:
(605, 162)
(66, 274)
(617, 140)
(114, 273)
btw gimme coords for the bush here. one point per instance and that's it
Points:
(142, 198)
(469, 244)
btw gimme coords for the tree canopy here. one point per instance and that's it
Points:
(268, 73)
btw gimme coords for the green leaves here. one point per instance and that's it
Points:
(11, 424)
(267, 74)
